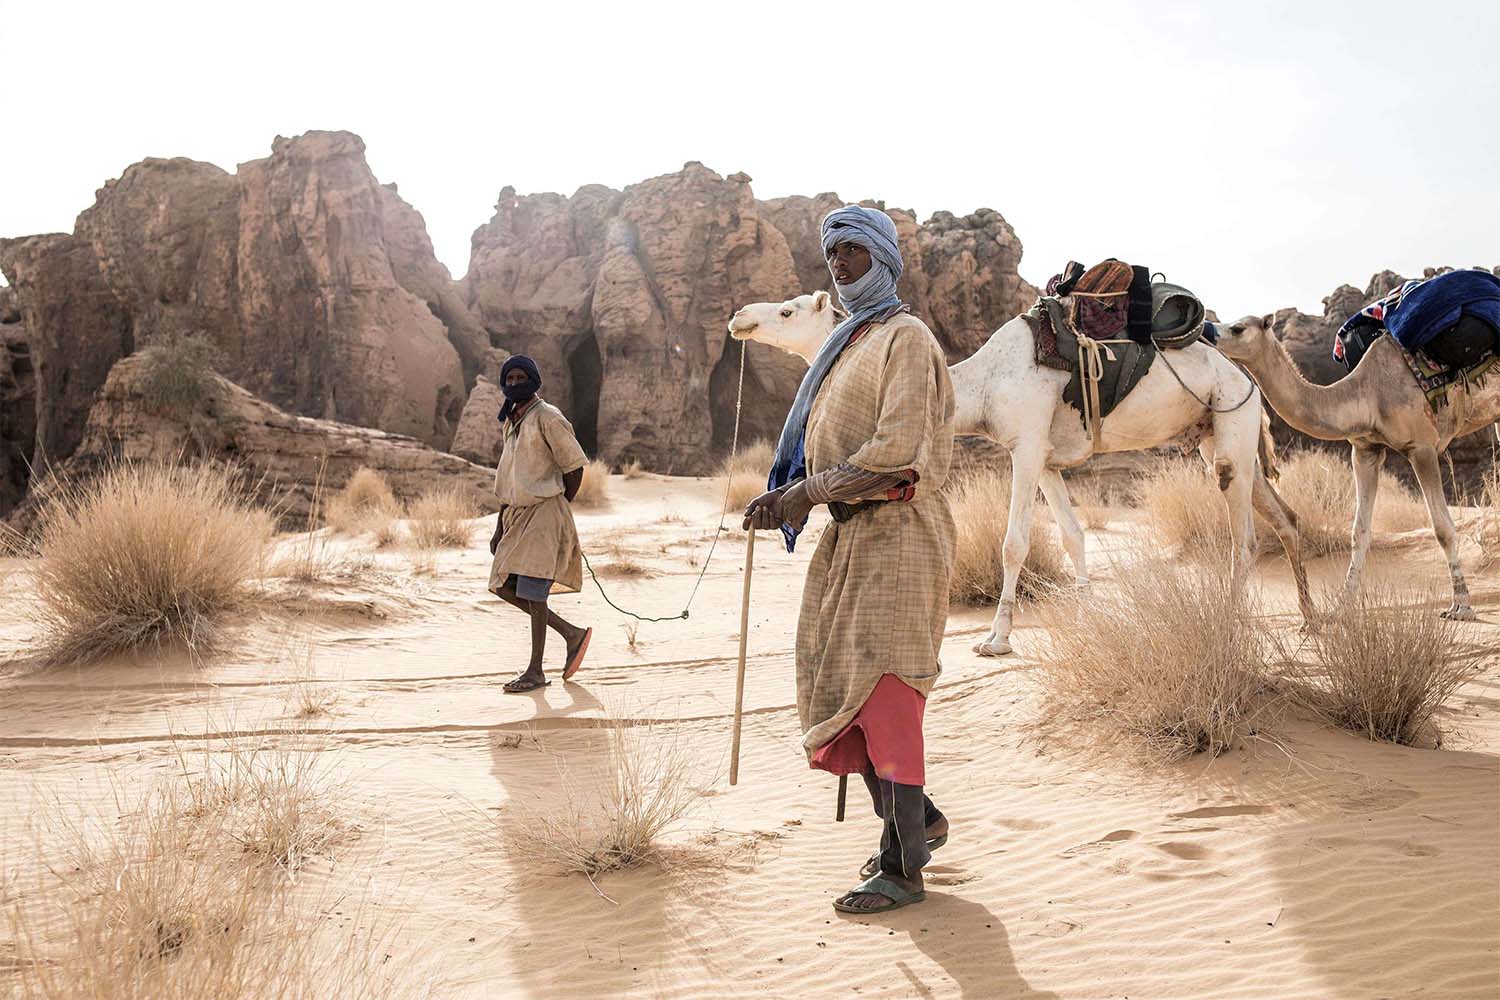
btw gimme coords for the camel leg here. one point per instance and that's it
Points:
(1283, 521)
(1234, 449)
(1025, 470)
(1056, 492)
(1366, 464)
(1430, 477)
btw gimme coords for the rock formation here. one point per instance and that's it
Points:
(317, 284)
(287, 457)
(622, 298)
(17, 402)
(478, 435)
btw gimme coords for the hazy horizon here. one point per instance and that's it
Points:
(1260, 157)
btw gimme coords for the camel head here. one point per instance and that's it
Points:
(1246, 339)
(798, 326)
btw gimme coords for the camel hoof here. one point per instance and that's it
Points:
(1463, 614)
(999, 648)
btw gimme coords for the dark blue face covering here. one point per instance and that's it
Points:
(519, 393)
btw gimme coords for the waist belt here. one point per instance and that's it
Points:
(845, 511)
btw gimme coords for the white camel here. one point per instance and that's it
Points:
(1002, 394)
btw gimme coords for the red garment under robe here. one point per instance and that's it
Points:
(887, 733)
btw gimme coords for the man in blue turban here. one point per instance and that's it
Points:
(870, 434)
(535, 545)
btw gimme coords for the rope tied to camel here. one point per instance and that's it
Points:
(1091, 355)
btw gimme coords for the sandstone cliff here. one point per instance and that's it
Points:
(286, 456)
(17, 402)
(317, 284)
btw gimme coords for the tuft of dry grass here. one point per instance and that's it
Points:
(1164, 655)
(145, 556)
(614, 817)
(743, 475)
(1487, 533)
(981, 506)
(1091, 504)
(633, 469)
(366, 503)
(594, 490)
(1383, 667)
(1187, 513)
(443, 517)
(171, 898)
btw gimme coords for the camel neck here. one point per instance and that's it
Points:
(1321, 411)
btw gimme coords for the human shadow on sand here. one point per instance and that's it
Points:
(966, 940)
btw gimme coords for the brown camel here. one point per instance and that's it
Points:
(1377, 406)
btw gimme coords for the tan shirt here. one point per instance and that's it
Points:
(538, 450)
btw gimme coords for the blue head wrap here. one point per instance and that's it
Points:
(523, 391)
(870, 299)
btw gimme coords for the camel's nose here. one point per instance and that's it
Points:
(739, 325)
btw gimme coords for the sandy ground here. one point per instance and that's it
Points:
(1317, 865)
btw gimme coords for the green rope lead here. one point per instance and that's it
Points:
(734, 447)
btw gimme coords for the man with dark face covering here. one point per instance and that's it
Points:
(870, 434)
(536, 542)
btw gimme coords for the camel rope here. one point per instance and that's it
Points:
(734, 446)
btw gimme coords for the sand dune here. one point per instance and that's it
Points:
(1314, 864)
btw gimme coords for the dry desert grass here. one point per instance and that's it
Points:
(145, 556)
(443, 518)
(1187, 512)
(1383, 667)
(1487, 534)
(366, 504)
(981, 505)
(183, 894)
(1165, 656)
(743, 476)
(613, 816)
(593, 492)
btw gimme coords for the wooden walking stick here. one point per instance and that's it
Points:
(739, 684)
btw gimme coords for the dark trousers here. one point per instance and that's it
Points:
(907, 814)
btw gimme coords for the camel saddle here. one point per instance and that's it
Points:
(1123, 363)
(1114, 299)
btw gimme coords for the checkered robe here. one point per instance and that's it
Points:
(876, 597)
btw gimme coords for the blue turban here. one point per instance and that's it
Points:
(870, 299)
(522, 391)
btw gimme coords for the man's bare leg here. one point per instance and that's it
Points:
(542, 618)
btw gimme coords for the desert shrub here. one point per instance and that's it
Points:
(1383, 667)
(164, 903)
(443, 517)
(1164, 655)
(981, 507)
(633, 469)
(613, 816)
(594, 490)
(1091, 504)
(743, 475)
(145, 555)
(366, 503)
(1487, 531)
(1187, 511)
(177, 372)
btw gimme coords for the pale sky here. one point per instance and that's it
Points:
(1258, 153)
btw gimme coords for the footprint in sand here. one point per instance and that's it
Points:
(1211, 812)
(1024, 824)
(947, 875)
(1183, 850)
(1104, 843)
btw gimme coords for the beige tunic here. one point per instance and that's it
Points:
(540, 538)
(876, 597)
